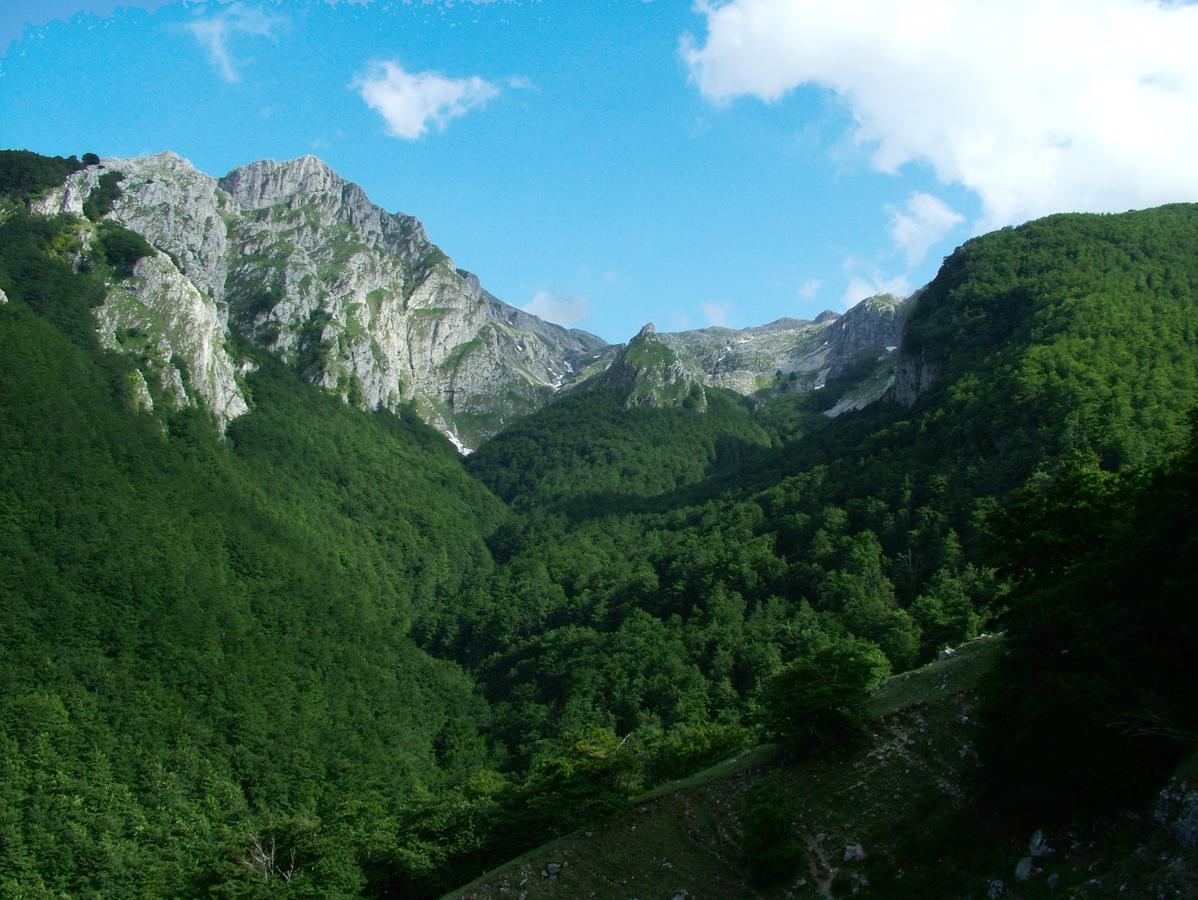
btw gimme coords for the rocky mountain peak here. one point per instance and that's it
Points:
(268, 182)
(355, 298)
(647, 372)
(361, 302)
(306, 187)
(874, 322)
(805, 353)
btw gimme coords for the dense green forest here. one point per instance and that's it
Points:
(205, 641)
(1103, 636)
(323, 656)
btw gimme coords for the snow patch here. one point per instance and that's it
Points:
(461, 448)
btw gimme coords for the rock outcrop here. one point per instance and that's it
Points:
(875, 323)
(357, 299)
(179, 334)
(170, 203)
(805, 353)
(647, 372)
(362, 303)
(913, 375)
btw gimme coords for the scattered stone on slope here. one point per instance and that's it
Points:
(1038, 846)
(1177, 810)
(1025, 869)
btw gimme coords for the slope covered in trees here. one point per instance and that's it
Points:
(322, 655)
(1073, 333)
(204, 642)
(1104, 639)
(588, 452)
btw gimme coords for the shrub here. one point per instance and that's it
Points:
(122, 247)
(23, 172)
(769, 840)
(103, 195)
(822, 698)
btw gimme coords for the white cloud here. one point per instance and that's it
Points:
(1037, 105)
(564, 311)
(717, 313)
(859, 288)
(214, 32)
(810, 288)
(924, 221)
(412, 101)
(680, 321)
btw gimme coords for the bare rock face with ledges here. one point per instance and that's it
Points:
(804, 353)
(357, 299)
(179, 333)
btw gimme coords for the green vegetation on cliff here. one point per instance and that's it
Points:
(324, 656)
(204, 642)
(23, 173)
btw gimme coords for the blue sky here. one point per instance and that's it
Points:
(612, 162)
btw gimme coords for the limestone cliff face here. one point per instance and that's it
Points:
(356, 298)
(876, 322)
(179, 332)
(912, 377)
(369, 307)
(167, 201)
(745, 360)
(362, 303)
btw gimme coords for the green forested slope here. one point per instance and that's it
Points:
(1072, 334)
(323, 635)
(1104, 639)
(1034, 487)
(588, 453)
(205, 642)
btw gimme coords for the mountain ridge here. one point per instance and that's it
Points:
(297, 259)
(327, 656)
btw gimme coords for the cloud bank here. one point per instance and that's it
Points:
(411, 102)
(1038, 106)
(564, 311)
(923, 222)
(717, 313)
